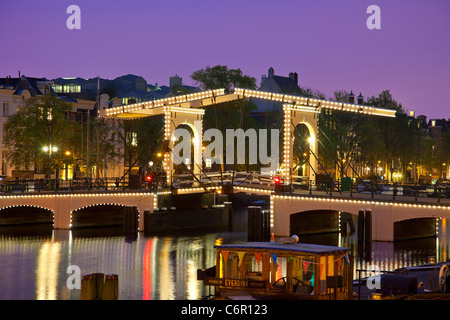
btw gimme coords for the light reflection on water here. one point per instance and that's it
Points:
(159, 267)
(34, 264)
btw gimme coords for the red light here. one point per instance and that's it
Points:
(277, 180)
(149, 178)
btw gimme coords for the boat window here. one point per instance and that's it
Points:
(323, 274)
(231, 265)
(339, 264)
(303, 275)
(331, 274)
(241, 265)
(278, 267)
(253, 267)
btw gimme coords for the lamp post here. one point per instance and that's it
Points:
(444, 170)
(66, 165)
(343, 169)
(49, 150)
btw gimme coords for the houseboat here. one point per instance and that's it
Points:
(274, 270)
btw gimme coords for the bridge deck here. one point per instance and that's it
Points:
(367, 196)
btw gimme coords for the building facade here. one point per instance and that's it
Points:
(14, 92)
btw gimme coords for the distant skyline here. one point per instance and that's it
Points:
(326, 42)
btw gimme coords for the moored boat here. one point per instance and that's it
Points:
(273, 270)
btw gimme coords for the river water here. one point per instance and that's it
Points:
(34, 259)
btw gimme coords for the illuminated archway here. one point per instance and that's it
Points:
(105, 214)
(320, 221)
(26, 214)
(414, 228)
(174, 117)
(294, 115)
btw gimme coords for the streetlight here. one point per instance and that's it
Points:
(379, 168)
(67, 153)
(49, 149)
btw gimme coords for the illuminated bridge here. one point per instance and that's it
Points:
(288, 208)
(290, 212)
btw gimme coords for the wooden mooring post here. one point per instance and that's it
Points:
(97, 286)
(111, 287)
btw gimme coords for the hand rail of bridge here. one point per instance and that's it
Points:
(299, 185)
(60, 185)
(344, 188)
(373, 190)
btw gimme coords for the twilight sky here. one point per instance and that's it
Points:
(326, 42)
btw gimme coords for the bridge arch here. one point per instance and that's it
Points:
(295, 115)
(173, 118)
(96, 215)
(26, 214)
(414, 228)
(302, 137)
(319, 221)
(193, 133)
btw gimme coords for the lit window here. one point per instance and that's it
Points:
(71, 88)
(57, 88)
(5, 109)
(132, 138)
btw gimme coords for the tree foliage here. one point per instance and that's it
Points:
(141, 139)
(372, 141)
(41, 121)
(228, 115)
(219, 77)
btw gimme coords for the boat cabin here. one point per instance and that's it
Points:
(271, 270)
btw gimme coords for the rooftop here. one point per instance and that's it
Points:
(297, 247)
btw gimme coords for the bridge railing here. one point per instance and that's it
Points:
(60, 185)
(372, 189)
(298, 185)
(321, 186)
(349, 188)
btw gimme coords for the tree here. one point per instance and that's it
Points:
(399, 136)
(105, 139)
(442, 154)
(310, 93)
(233, 114)
(219, 77)
(339, 135)
(371, 147)
(111, 91)
(40, 123)
(141, 139)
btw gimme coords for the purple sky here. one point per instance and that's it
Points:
(325, 41)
